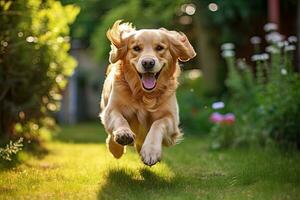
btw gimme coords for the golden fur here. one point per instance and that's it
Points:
(129, 112)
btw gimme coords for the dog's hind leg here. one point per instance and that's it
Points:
(115, 149)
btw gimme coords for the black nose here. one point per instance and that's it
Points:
(148, 63)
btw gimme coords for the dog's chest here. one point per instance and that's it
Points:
(137, 114)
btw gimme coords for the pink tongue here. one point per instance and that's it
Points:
(148, 80)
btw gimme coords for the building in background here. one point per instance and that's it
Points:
(82, 95)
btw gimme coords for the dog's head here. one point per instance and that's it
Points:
(152, 53)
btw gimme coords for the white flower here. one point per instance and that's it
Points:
(241, 64)
(283, 71)
(255, 57)
(255, 40)
(260, 57)
(292, 39)
(228, 53)
(290, 48)
(227, 46)
(274, 37)
(270, 27)
(282, 44)
(264, 56)
(272, 50)
(218, 105)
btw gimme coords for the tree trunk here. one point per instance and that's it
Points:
(208, 54)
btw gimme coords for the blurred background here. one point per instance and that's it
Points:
(208, 24)
(243, 86)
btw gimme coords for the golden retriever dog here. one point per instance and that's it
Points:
(138, 103)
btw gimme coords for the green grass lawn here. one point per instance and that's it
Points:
(78, 166)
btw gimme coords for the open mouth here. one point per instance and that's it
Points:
(149, 80)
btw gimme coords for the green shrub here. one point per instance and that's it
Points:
(34, 64)
(280, 110)
(267, 102)
(193, 105)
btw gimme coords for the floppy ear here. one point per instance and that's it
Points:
(118, 36)
(180, 45)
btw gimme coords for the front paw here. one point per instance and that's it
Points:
(123, 136)
(150, 154)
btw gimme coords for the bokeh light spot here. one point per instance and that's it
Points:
(190, 9)
(20, 34)
(213, 7)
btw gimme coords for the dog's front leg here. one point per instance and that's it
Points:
(152, 148)
(115, 123)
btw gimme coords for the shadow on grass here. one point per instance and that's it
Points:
(125, 184)
(7, 165)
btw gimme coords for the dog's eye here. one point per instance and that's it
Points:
(137, 48)
(159, 48)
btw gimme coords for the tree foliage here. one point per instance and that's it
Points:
(232, 15)
(34, 63)
(143, 14)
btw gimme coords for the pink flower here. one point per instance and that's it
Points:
(229, 119)
(216, 117)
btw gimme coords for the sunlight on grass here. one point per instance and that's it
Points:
(78, 168)
(78, 171)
